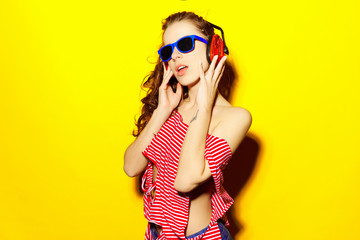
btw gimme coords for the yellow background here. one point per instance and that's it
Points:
(70, 75)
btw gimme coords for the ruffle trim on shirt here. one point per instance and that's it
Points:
(218, 153)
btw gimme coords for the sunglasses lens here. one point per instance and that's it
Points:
(185, 44)
(166, 53)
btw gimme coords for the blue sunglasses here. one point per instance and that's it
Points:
(184, 45)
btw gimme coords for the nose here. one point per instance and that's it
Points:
(176, 54)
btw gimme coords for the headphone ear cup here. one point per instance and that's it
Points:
(215, 47)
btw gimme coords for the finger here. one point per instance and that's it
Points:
(212, 66)
(220, 76)
(219, 67)
(165, 67)
(166, 77)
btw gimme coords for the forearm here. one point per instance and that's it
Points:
(134, 160)
(192, 161)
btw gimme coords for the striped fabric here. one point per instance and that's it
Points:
(170, 208)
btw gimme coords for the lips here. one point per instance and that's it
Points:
(181, 69)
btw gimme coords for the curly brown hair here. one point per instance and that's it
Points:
(153, 80)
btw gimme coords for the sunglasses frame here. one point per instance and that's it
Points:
(175, 44)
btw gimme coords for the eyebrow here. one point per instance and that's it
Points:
(179, 39)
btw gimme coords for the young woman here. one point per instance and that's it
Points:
(185, 137)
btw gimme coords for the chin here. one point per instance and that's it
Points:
(189, 79)
(186, 82)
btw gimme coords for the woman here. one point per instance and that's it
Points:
(186, 135)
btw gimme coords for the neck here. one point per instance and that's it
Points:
(190, 101)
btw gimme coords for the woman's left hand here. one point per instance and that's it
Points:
(209, 83)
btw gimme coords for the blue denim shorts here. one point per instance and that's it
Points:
(225, 235)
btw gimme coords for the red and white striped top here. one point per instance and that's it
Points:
(169, 208)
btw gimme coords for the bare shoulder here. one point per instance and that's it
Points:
(232, 124)
(231, 112)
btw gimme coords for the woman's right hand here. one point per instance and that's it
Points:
(168, 100)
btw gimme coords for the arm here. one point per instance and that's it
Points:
(192, 164)
(193, 168)
(134, 161)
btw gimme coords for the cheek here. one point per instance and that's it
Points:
(205, 64)
(200, 55)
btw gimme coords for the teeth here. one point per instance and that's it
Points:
(181, 67)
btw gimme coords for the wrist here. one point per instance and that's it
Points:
(161, 112)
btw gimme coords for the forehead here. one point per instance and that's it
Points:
(177, 30)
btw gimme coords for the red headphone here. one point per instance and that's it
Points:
(216, 45)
